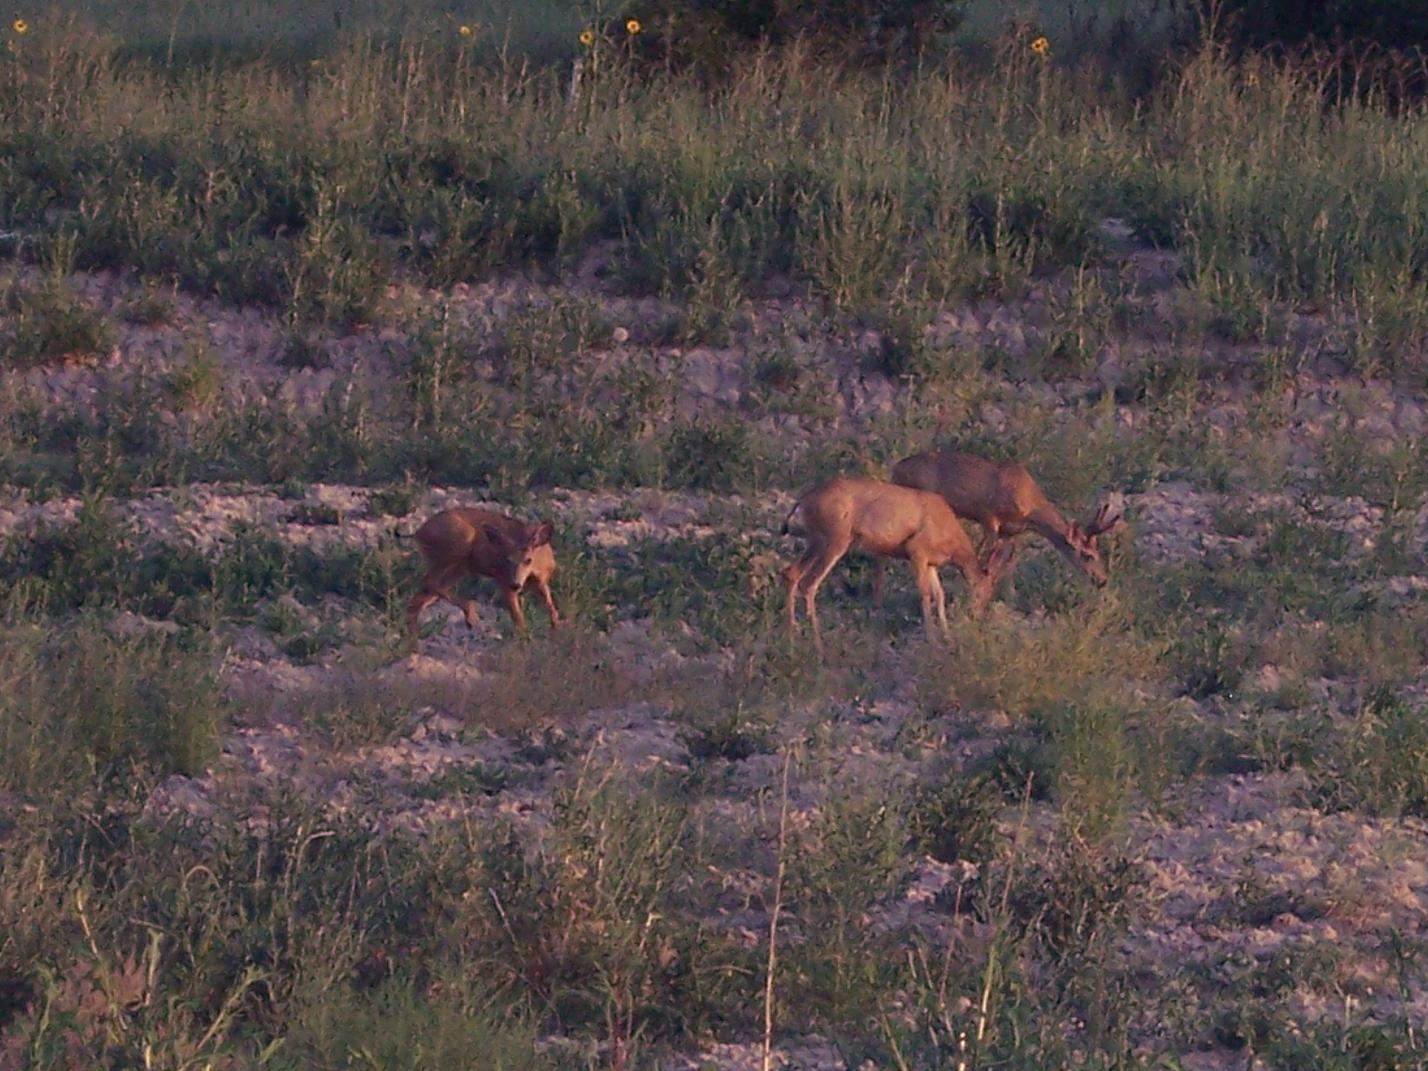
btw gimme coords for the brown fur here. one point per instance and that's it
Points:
(1003, 498)
(459, 543)
(887, 521)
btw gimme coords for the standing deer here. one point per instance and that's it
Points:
(458, 543)
(1005, 500)
(887, 521)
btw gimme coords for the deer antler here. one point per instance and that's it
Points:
(1107, 518)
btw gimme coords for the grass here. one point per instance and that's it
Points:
(93, 709)
(484, 282)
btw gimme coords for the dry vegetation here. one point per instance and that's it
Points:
(262, 315)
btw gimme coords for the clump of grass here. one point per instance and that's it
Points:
(954, 817)
(732, 737)
(88, 705)
(1088, 656)
(47, 325)
(564, 675)
(589, 927)
(1379, 761)
(846, 863)
(198, 382)
(151, 307)
(396, 501)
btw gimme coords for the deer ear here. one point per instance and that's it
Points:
(1107, 519)
(497, 537)
(542, 533)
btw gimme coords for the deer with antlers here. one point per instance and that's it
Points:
(1004, 499)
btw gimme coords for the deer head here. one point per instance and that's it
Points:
(1085, 542)
(519, 551)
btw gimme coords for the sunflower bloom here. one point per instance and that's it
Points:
(1041, 46)
(20, 26)
(632, 27)
(466, 31)
(587, 37)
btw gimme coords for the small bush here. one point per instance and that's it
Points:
(1379, 762)
(709, 35)
(47, 326)
(1256, 24)
(955, 818)
(89, 705)
(1084, 656)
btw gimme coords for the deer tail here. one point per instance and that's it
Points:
(789, 516)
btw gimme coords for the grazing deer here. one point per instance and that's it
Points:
(1005, 500)
(887, 521)
(458, 543)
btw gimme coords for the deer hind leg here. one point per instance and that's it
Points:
(815, 572)
(792, 575)
(437, 585)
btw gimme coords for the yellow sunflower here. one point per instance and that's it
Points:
(1041, 46)
(20, 26)
(632, 27)
(466, 31)
(587, 37)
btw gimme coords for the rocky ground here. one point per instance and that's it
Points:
(1241, 873)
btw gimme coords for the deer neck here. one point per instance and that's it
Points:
(1047, 520)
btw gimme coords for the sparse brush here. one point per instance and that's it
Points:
(97, 704)
(1082, 656)
(47, 325)
(198, 382)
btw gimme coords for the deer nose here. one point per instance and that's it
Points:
(516, 588)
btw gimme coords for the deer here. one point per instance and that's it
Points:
(885, 520)
(1004, 499)
(459, 543)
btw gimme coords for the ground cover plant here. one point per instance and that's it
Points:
(280, 282)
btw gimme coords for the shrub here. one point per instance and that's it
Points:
(48, 325)
(87, 705)
(1380, 763)
(1255, 24)
(708, 36)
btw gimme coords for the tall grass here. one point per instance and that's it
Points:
(307, 188)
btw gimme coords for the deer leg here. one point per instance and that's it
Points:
(990, 538)
(1001, 559)
(543, 587)
(512, 600)
(817, 573)
(792, 575)
(435, 585)
(935, 579)
(419, 602)
(923, 573)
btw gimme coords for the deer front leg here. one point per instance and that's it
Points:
(999, 562)
(991, 537)
(512, 600)
(543, 587)
(926, 577)
(935, 579)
